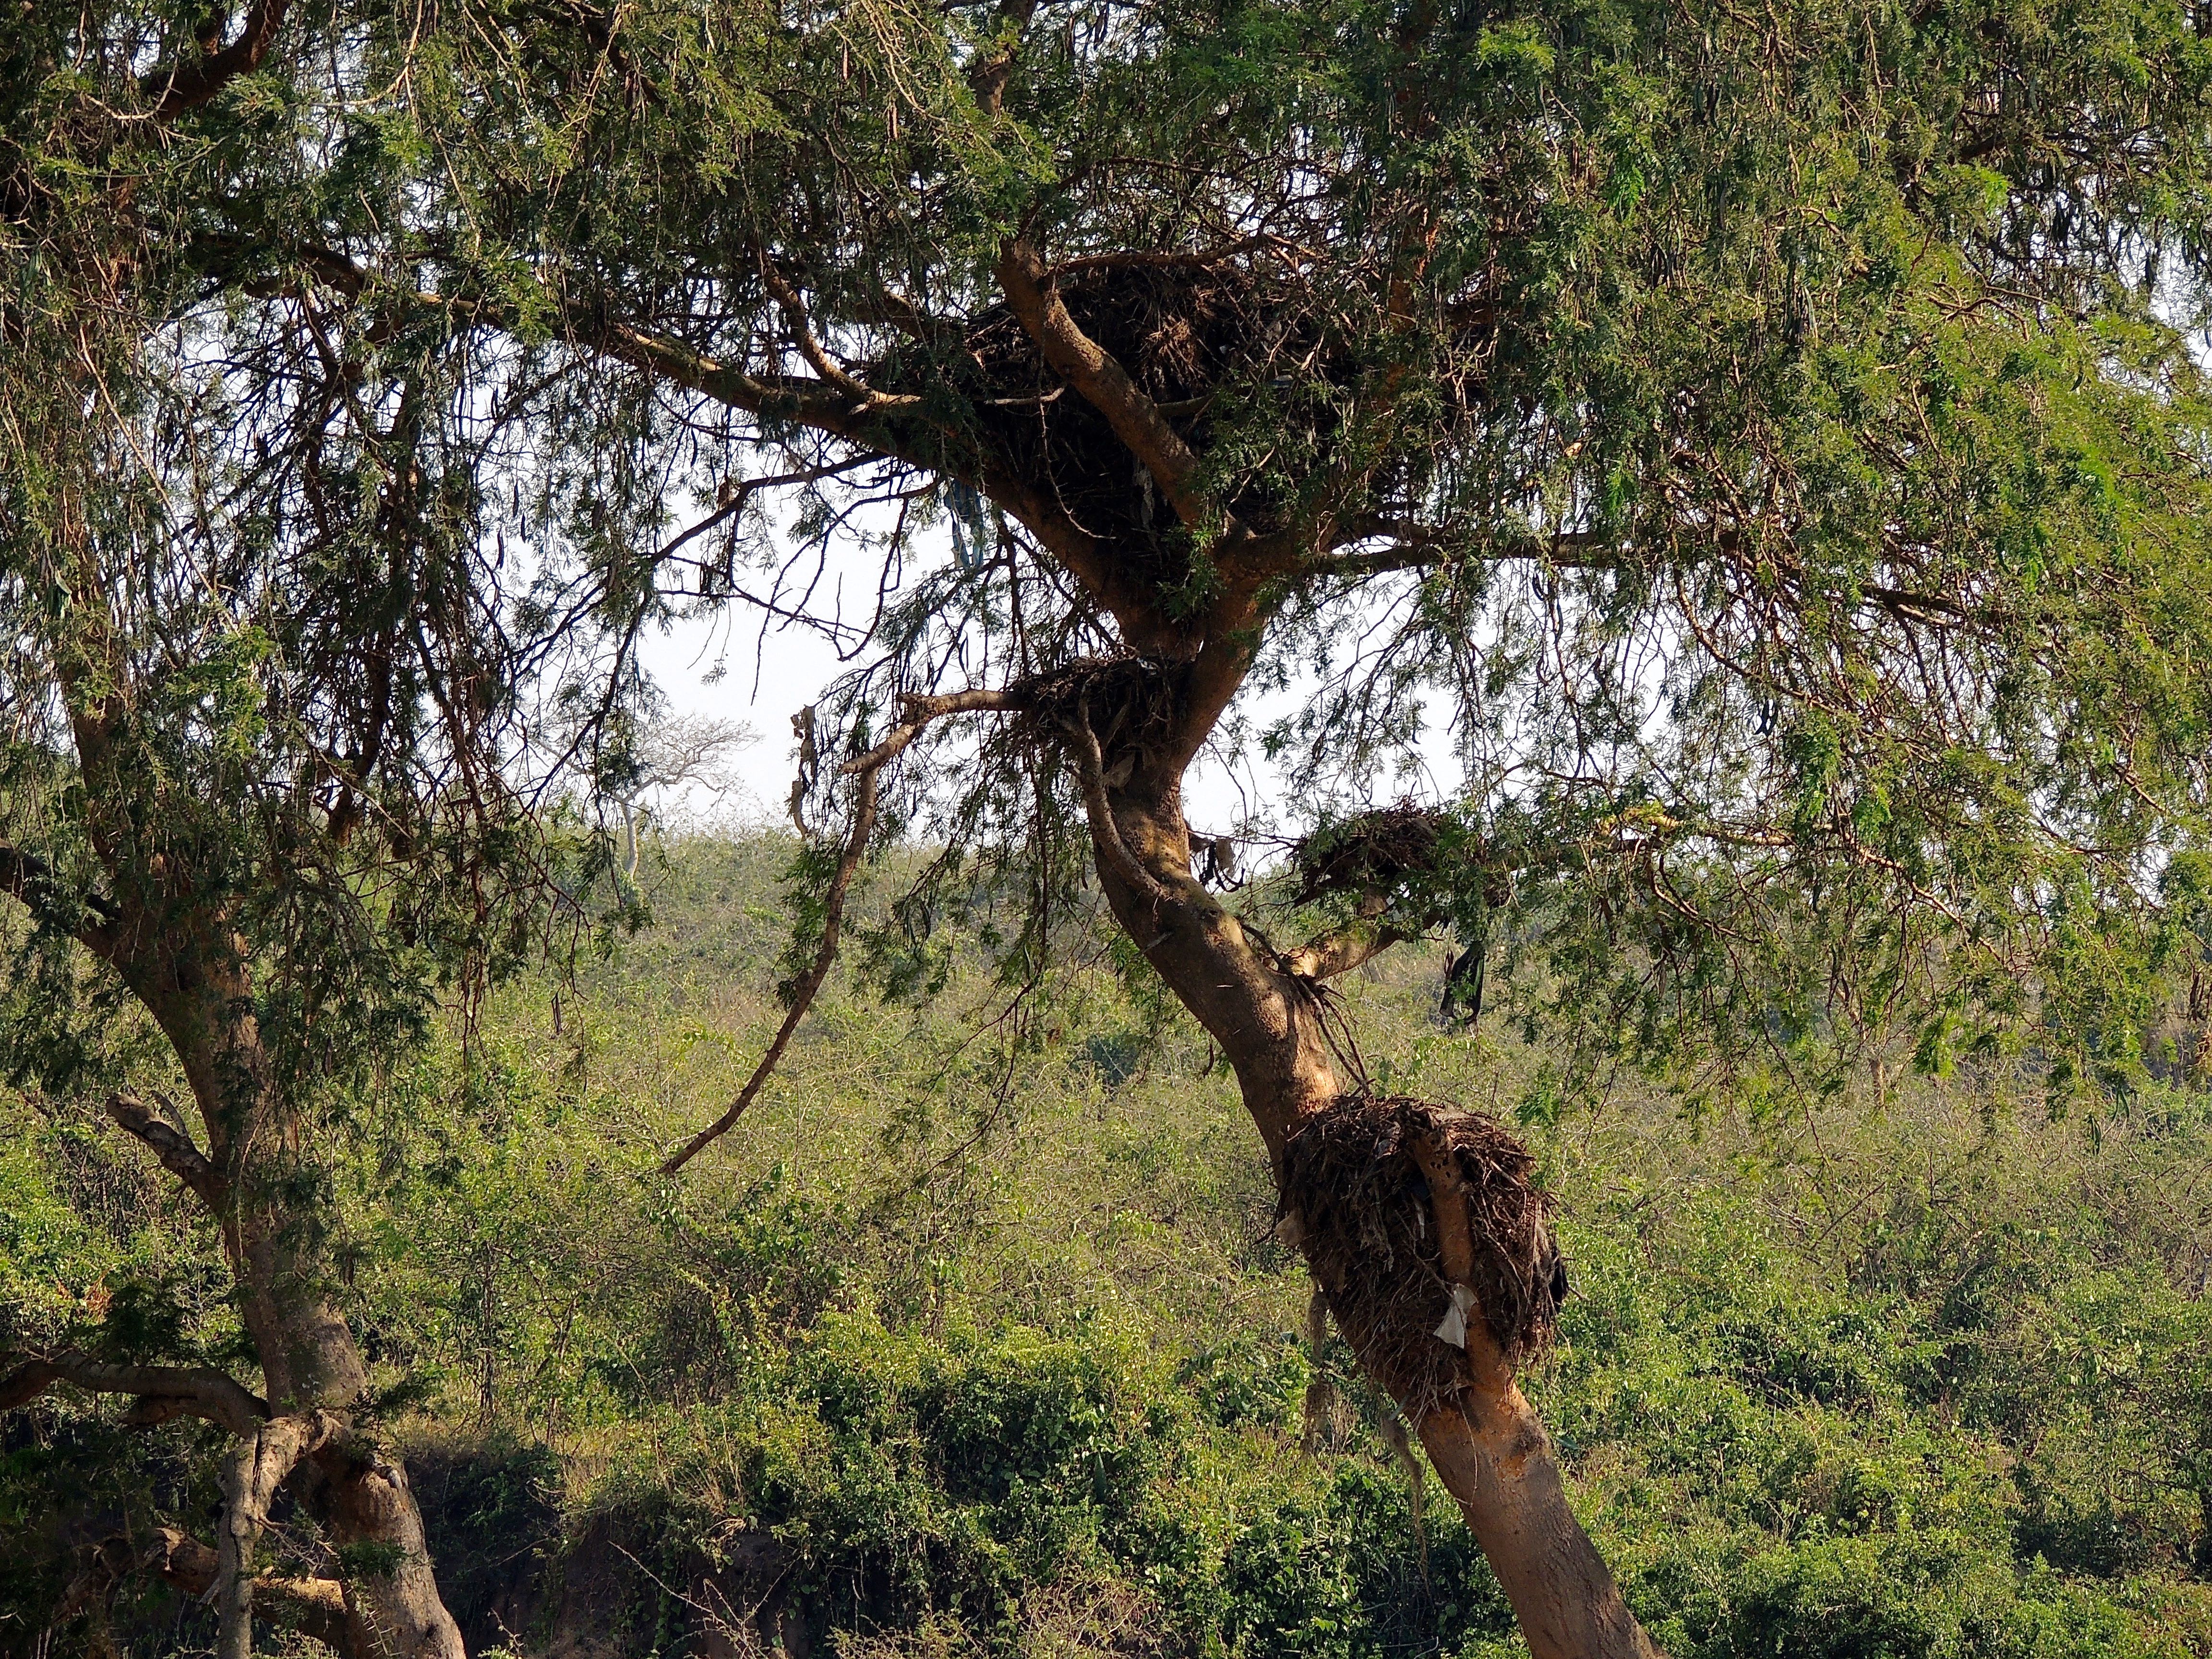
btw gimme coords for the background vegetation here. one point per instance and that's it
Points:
(908, 1368)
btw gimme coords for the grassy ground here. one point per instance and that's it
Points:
(972, 1343)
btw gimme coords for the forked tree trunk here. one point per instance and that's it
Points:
(181, 955)
(196, 983)
(1489, 1448)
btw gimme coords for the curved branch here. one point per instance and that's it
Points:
(30, 880)
(1343, 948)
(195, 1391)
(1090, 770)
(179, 1156)
(991, 69)
(1094, 372)
(921, 709)
(192, 84)
(809, 403)
(803, 994)
(818, 359)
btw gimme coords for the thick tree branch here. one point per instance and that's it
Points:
(879, 423)
(831, 371)
(805, 402)
(1101, 381)
(314, 1606)
(196, 1391)
(97, 922)
(195, 82)
(179, 1156)
(920, 710)
(994, 63)
(1090, 773)
(814, 403)
(251, 1478)
(1340, 950)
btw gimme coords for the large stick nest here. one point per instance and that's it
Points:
(1373, 851)
(1128, 703)
(1364, 1217)
(1182, 334)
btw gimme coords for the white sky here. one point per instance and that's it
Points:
(726, 668)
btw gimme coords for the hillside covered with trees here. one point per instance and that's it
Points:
(934, 1365)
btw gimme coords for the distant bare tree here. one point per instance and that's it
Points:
(683, 749)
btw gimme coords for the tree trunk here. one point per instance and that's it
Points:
(201, 992)
(1488, 1447)
(180, 955)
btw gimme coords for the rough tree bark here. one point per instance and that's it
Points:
(183, 958)
(1489, 1447)
(201, 992)
(193, 978)
(180, 952)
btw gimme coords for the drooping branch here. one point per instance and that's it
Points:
(810, 983)
(194, 1391)
(920, 711)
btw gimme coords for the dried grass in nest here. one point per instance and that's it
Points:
(1371, 852)
(1129, 701)
(1365, 1222)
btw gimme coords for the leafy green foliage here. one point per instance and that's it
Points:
(1770, 444)
(1933, 1383)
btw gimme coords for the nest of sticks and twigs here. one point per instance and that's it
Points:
(1180, 333)
(1127, 702)
(1372, 853)
(1354, 1196)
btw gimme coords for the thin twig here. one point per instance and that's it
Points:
(856, 845)
(921, 710)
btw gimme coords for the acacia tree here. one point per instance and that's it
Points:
(264, 739)
(1768, 442)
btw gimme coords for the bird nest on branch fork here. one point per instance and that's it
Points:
(1128, 702)
(1180, 333)
(1356, 1200)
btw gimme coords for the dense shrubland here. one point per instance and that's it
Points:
(907, 1369)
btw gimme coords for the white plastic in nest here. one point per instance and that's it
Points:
(1454, 1329)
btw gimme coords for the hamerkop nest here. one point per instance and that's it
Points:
(1365, 1220)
